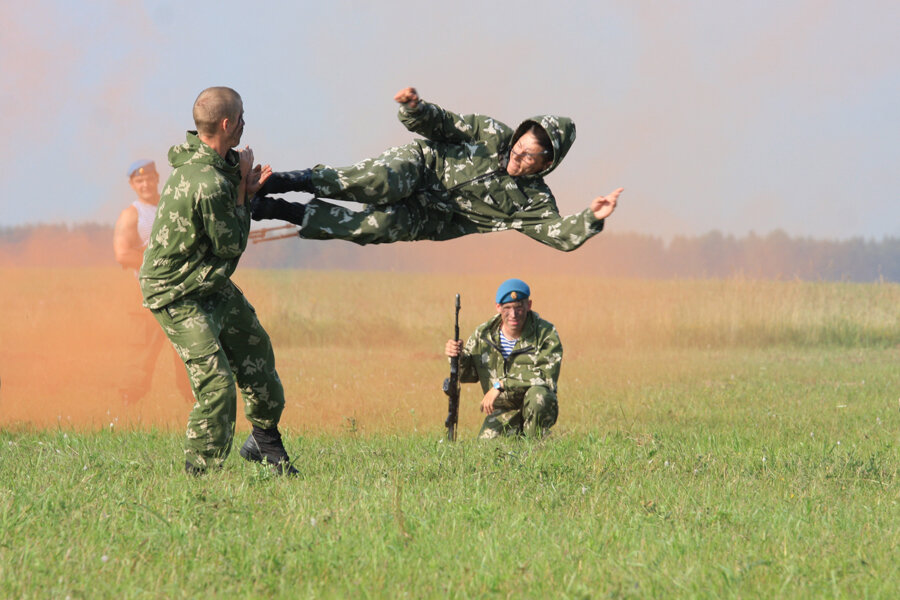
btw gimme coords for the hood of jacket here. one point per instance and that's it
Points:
(561, 131)
(195, 151)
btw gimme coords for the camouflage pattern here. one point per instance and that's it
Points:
(199, 233)
(528, 402)
(534, 419)
(220, 340)
(452, 183)
(195, 245)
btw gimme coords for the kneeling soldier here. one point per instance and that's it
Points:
(516, 357)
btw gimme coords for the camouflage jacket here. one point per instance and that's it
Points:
(535, 360)
(469, 155)
(199, 233)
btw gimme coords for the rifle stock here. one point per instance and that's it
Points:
(265, 234)
(451, 386)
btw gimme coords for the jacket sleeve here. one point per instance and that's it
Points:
(227, 225)
(563, 233)
(467, 371)
(548, 361)
(434, 123)
(542, 222)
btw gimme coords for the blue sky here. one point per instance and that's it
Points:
(728, 116)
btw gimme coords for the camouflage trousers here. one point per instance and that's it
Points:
(221, 341)
(536, 415)
(402, 197)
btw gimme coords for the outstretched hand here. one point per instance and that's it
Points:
(257, 177)
(603, 206)
(408, 96)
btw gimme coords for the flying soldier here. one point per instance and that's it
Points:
(471, 174)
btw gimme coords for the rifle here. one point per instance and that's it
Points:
(262, 235)
(451, 386)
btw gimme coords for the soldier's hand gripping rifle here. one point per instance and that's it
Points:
(451, 385)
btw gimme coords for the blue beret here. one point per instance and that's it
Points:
(512, 290)
(138, 164)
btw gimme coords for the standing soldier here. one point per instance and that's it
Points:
(195, 246)
(516, 357)
(130, 238)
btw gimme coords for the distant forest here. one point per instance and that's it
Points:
(772, 256)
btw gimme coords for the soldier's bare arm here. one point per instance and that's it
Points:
(127, 246)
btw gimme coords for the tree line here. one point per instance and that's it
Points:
(775, 255)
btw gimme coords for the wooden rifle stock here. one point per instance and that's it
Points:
(265, 234)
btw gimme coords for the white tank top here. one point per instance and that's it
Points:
(146, 215)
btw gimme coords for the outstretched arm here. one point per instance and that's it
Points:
(434, 123)
(542, 222)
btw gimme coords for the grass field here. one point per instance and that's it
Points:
(716, 439)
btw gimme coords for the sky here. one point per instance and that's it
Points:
(735, 117)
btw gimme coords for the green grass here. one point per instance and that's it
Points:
(716, 440)
(781, 482)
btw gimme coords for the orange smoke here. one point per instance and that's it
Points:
(63, 346)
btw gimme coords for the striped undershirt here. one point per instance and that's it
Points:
(506, 345)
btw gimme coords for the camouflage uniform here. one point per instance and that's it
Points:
(451, 184)
(528, 377)
(197, 239)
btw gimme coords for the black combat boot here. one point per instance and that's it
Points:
(288, 181)
(263, 207)
(264, 446)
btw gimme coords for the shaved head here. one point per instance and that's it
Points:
(213, 105)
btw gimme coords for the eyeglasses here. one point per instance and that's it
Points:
(528, 158)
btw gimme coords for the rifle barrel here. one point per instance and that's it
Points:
(452, 384)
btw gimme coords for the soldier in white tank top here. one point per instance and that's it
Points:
(134, 224)
(146, 214)
(146, 339)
